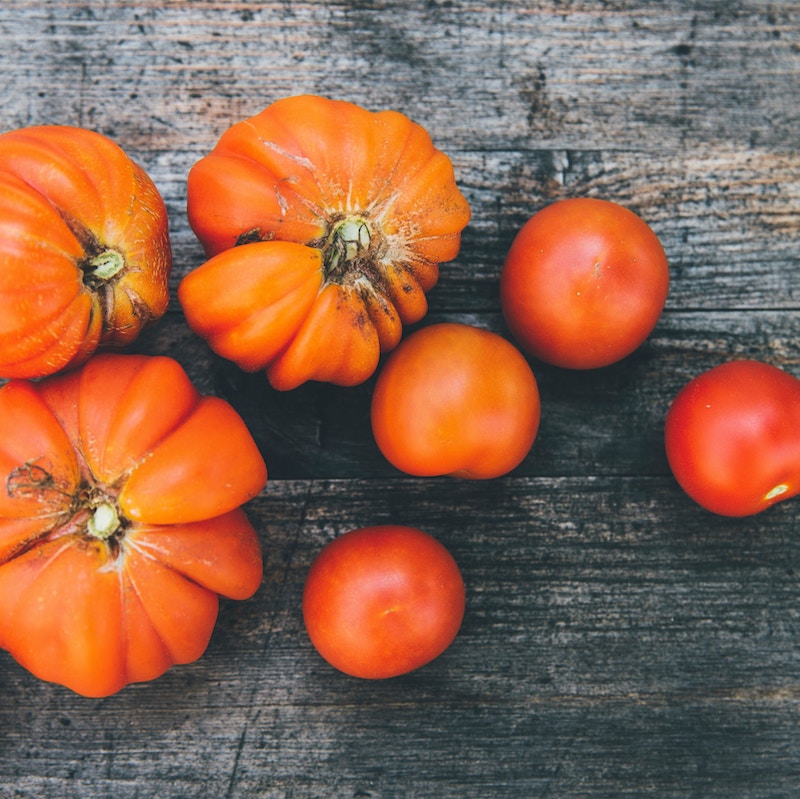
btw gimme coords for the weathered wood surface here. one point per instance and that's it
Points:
(618, 641)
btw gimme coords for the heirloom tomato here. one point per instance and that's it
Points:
(732, 437)
(584, 283)
(341, 217)
(84, 249)
(382, 601)
(120, 520)
(454, 399)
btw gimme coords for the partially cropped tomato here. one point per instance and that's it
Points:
(584, 283)
(120, 520)
(342, 217)
(733, 437)
(382, 601)
(454, 399)
(84, 249)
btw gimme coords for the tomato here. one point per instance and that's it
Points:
(342, 217)
(584, 283)
(84, 249)
(454, 399)
(382, 601)
(120, 520)
(732, 437)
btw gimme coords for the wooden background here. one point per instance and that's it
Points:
(618, 640)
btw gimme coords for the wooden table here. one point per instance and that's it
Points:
(618, 641)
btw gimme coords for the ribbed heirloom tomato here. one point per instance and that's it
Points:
(732, 437)
(84, 249)
(382, 601)
(341, 217)
(120, 520)
(584, 283)
(457, 400)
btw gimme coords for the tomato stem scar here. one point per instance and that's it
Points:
(105, 265)
(104, 522)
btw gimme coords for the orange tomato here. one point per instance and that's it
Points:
(84, 249)
(120, 520)
(454, 399)
(341, 217)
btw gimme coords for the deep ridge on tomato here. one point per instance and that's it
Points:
(84, 249)
(120, 523)
(360, 206)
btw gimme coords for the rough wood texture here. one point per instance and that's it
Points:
(618, 641)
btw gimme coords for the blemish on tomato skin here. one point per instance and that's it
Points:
(780, 489)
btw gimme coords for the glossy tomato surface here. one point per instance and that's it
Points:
(584, 283)
(382, 601)
(454, 399)
(324, 224)
(732, 437)
(120, 520)
(84, 249)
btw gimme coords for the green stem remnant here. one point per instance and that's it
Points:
(104, 522)
(104, 265)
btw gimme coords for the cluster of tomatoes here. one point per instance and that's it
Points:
(324, 226)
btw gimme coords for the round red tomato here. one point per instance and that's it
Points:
(732, 437)
(584, 283)
(454, 399)
(382, 601)
(120, 522)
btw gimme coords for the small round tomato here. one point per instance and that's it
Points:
(382, 601)
(732, 437)
(453, 399)
(584, 283)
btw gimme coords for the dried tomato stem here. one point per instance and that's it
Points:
(348, 243)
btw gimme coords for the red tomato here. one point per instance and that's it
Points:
(454, 399)
(341, 217)
(120, 521)
(382, 601)
(732, 437)
(584, 283)
(84, 249)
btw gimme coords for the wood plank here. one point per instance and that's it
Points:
(616, 637)
(619, 642)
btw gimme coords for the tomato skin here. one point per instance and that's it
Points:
(341, 217)
(455, 400)
(584, 283)
(85, 254)
(122, 488)
(732, 437)
(382, 601)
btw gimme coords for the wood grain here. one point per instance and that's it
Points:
(619, 642)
